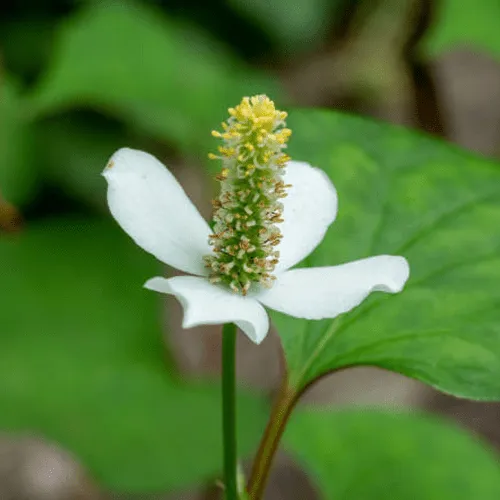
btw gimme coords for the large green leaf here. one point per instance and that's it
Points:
(405, 194)
(373, 455)
(129, 60)
(82, 361)
(465, 23)
(17, 161)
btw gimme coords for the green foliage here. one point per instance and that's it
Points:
(464, 23)
(163, 78)
(17, 162)
(82, 361)
(374, 455)
(405, 194)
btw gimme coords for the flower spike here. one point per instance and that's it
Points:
(248, 209)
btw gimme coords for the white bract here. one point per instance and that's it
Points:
(151, 206)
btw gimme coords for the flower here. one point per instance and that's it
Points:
(151, 206)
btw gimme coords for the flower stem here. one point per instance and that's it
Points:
(229, 410)
(270, 441)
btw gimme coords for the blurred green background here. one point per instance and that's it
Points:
(82, 362)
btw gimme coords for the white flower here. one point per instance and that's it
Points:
(151, 206)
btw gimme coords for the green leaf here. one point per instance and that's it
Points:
(405, 194)
(464, 23)
(83, 363)
(374, 455)
(164, 78)
(17, 160)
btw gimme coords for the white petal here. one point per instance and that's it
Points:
(207, 304)
(151, 206)
(326, 292)
(309, 208)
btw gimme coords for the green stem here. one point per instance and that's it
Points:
(269, 444)
(229, 410)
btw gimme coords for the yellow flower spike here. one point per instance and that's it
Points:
(248, 210)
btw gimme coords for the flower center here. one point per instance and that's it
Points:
(248, 211)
